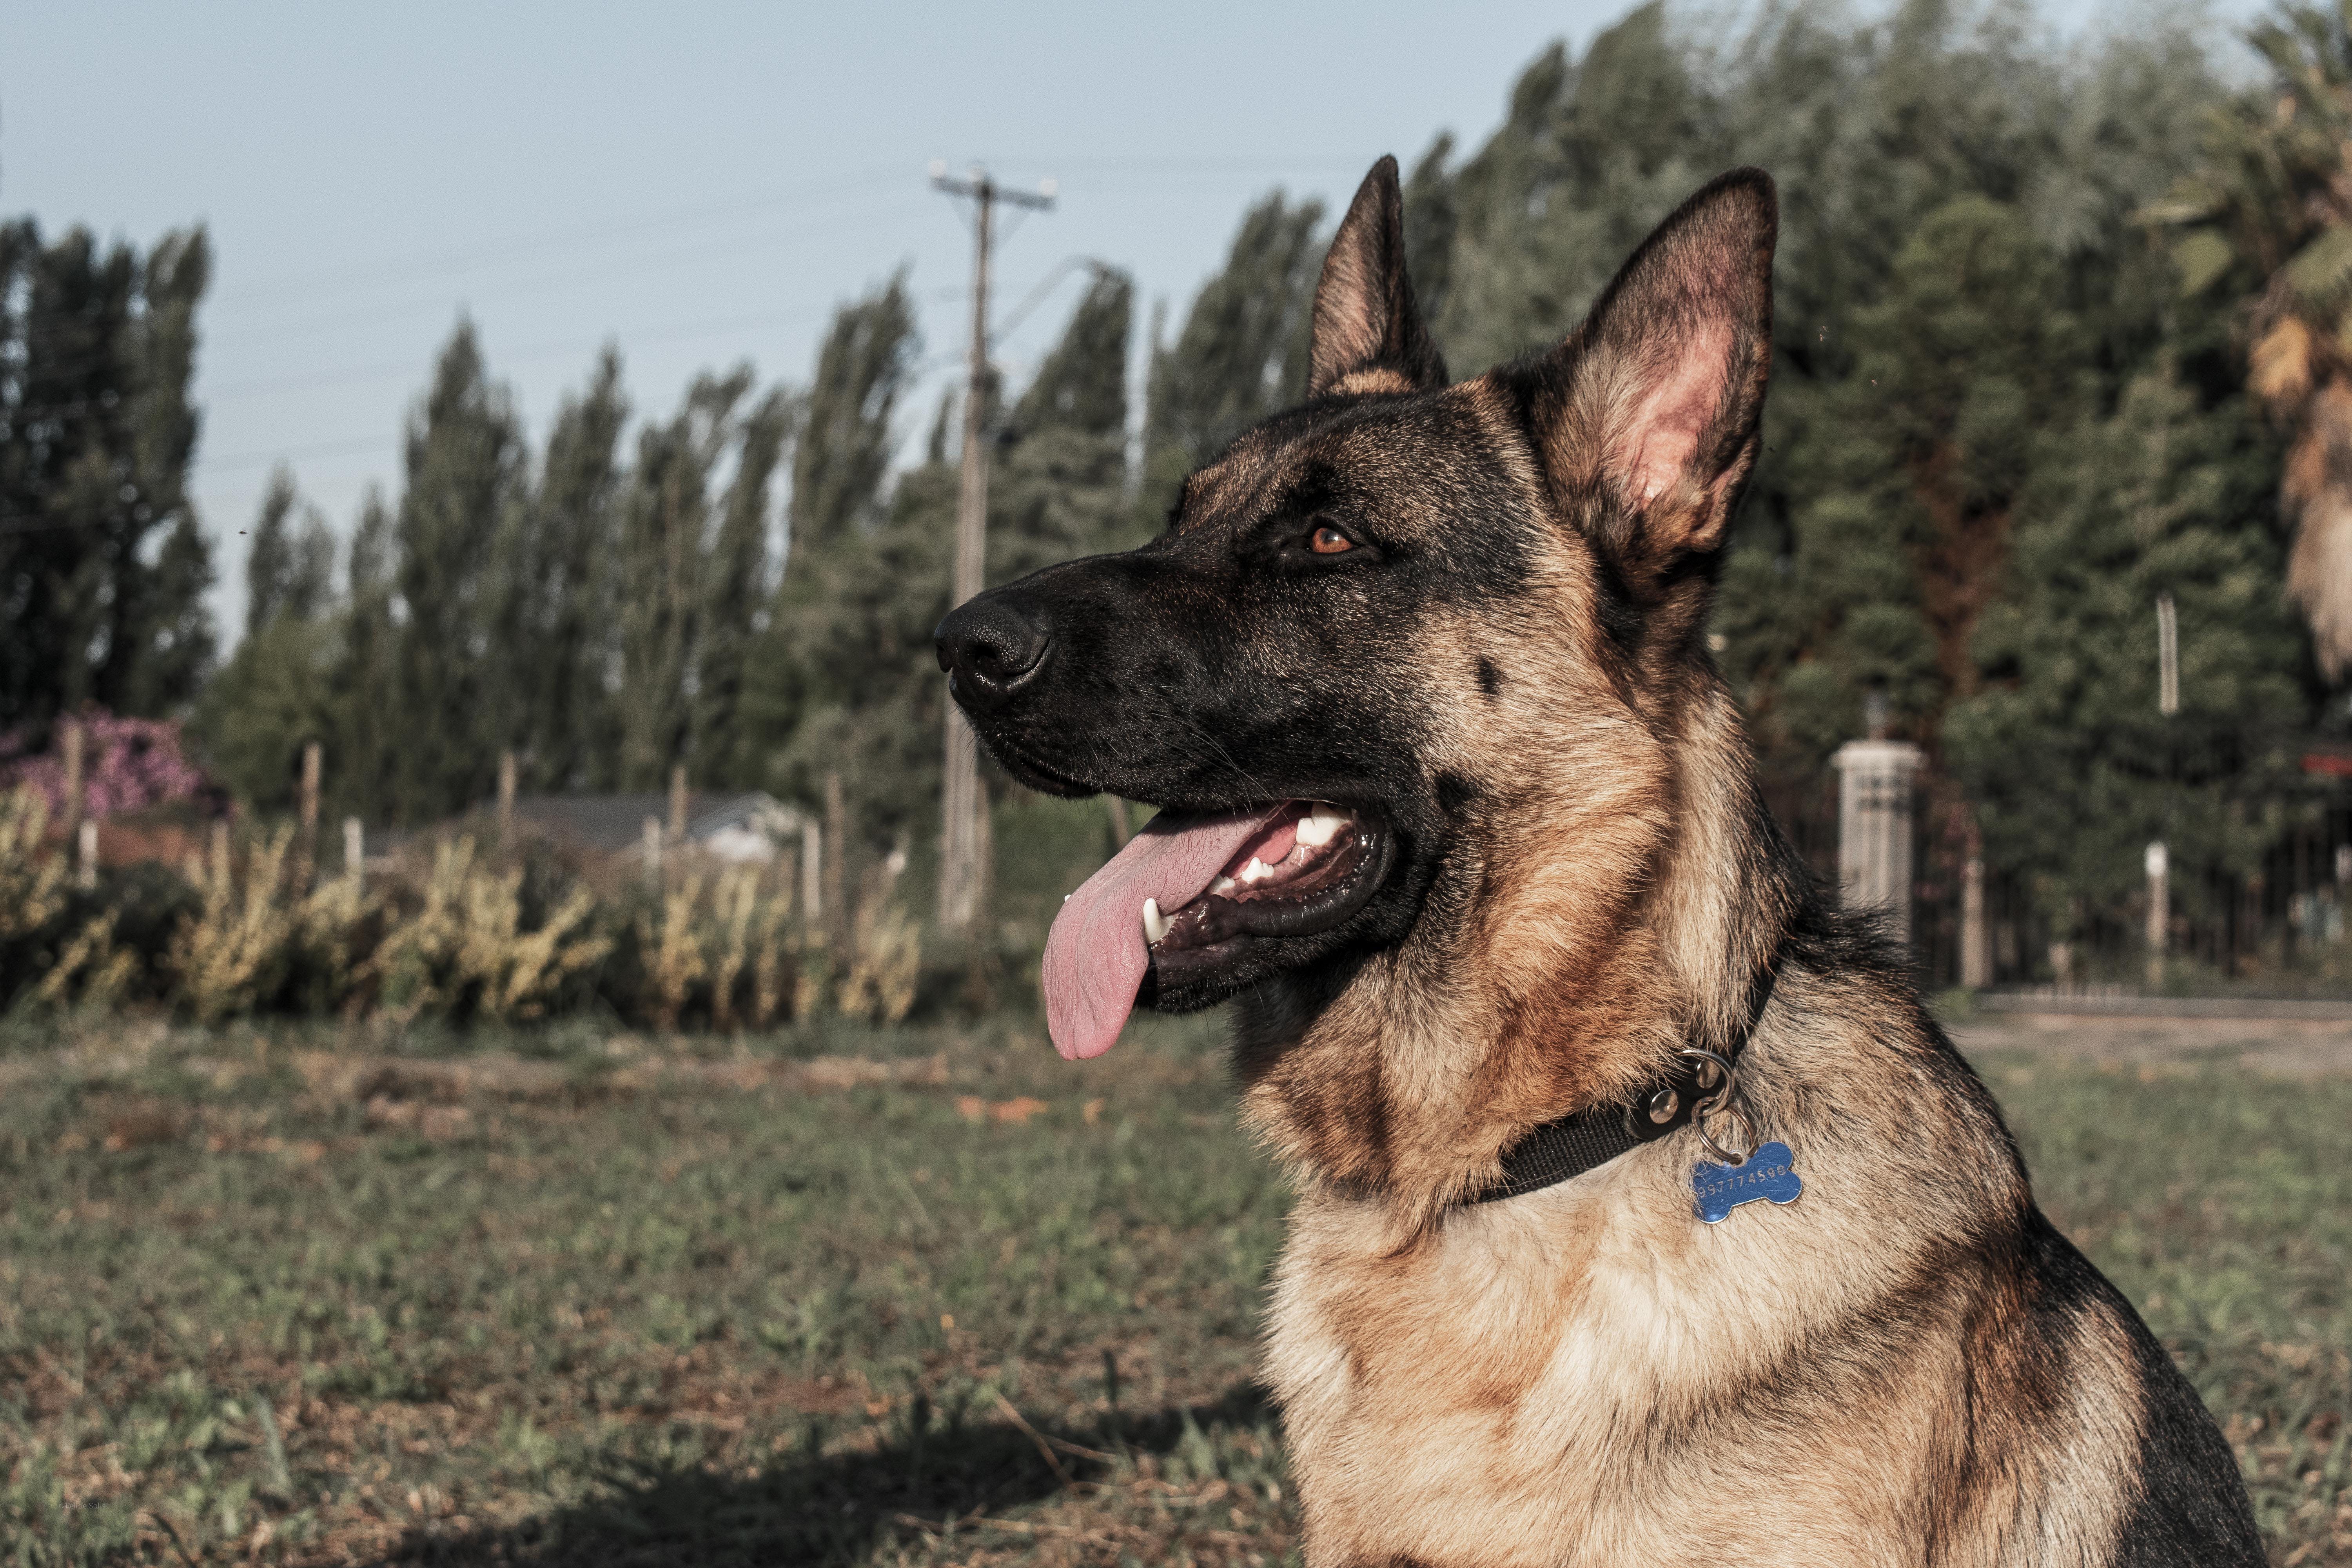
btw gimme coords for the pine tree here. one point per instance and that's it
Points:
(278, 692)
(465, 478)
(1591, 155)
(1910, 473)
(858, 627)
(568, 735)
(180, 638)
(364, 780)
(664, 527)
(735, 593)
(287, 574)
(97, 433)
(844, 455)
(799, 668)
(1241, 353)
(2072, 767)
(1058, 489)
(275, 695)
(159, 611)
(270, 552)
(1432, 221)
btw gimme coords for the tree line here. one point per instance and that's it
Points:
(2058, 333)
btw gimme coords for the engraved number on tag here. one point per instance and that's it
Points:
(1769, 1172)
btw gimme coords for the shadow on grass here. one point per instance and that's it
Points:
(828, 1512)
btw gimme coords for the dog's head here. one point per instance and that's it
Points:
(1393, 631)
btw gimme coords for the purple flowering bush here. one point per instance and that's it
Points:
(128, 765)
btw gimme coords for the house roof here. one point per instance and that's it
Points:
(614, 824)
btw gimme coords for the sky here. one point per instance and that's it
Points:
(699, 183)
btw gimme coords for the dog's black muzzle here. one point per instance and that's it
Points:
(990, 645)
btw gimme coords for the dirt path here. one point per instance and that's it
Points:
(2291, 1047)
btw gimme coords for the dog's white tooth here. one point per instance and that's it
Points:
(1155, 924)
(1223, 887)
(1319, 827)
(1257, 870)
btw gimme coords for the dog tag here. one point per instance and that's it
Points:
(1769, 1172)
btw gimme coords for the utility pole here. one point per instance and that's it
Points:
(963, 835)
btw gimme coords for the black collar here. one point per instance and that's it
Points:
(1578, 1142)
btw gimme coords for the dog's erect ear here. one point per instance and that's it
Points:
(1369, 335)
(1647, 418)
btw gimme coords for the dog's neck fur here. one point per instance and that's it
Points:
(1592, 894)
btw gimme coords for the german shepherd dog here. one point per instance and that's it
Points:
(1529, 990)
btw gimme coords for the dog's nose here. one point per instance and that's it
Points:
(988, 646)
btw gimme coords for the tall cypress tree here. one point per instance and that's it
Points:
(270, 552)
(1059, 489)
(97, 433)
(735, 593)
(1910, 475)
(2071, 764)
(1242, 351)
(863, 368)
(180, 638)
(278, 692)
(287, 572)
(465, 477)
(1591, 155)
(365, 780)
(569, 736)
(803, 665)
(856, 623)
(664, 527)
(1962, 270)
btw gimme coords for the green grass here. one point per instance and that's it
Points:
(286, 1296)
(2220, 1203)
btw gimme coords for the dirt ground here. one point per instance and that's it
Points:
(2292, 1047)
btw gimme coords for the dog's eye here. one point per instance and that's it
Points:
(1329, 541)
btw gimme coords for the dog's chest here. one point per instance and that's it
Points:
(1540, 1383)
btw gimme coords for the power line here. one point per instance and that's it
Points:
(529, 354)
(637, 267)
(1044, 288)
(15, 522)
(427, 261)
(423, 265)
(314, 449)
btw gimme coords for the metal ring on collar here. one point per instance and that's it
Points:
(1746, 1133)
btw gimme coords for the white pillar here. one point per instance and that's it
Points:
(2157, 863)
(1875, 787)
(1976, 946)
(811, 871)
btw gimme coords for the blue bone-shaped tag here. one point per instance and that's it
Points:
(1769, 1172)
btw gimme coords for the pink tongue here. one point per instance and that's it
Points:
(1095, 955)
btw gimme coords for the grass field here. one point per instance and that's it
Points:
(846, 1298)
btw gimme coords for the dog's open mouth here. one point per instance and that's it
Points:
(1186, 897)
